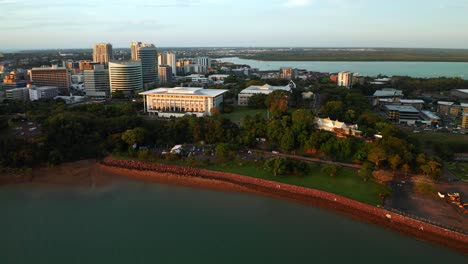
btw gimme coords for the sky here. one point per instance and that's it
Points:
(43, 24)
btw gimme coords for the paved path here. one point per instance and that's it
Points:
(348, 165)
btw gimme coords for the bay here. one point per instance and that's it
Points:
(130, 221)
(366, 68)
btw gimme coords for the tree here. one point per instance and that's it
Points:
(406, 169)
(365, 172)
(331, 169)
(257, 101)
(395, 162)
(377, 155)
(287, 141)
(134, 137)
(276, 165)
(277, 102)
(432, 169)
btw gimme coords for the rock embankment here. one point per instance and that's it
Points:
(355, 209)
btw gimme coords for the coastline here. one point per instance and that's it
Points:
(200, 178)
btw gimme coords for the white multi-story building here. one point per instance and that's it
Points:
(38, 93)
(205, 61)
(180, 101)
(126, 77)
(17, 94)
(345, 79)
(97, 82)
(244, 95)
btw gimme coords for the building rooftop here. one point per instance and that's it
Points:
(464, 105)
(430, 115)
(387, 92)
(463, 90)
(402, 108)
(265, 89)
(185, 91)
(445, 103)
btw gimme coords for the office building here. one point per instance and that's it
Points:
(402, 114)
(52, 76)
(244, 95)
(391, 94)
(38, 93)
(126, 77)
(97, 82)
(287, 73)
(180, 101)
(345, 79)
(205, 61)
(460, 94)
(102, 53)
(168, 58)
(17, 94)
(195, 68)
(148, 56)
(165, 74)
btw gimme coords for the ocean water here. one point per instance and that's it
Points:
(365, 68)
(139, 222)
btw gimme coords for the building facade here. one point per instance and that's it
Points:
(464, 123)
(12, 81)
(287, 73)
(204, 61)
(180, 101)
(97, 82)
(402, 114)
(345, 79)
(126, 77)
(147, 54)
(17, 94)
(102, 53)
(38, 93)
(52, 76)
(165, 74)
(168, 58)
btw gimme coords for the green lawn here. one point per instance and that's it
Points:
(347, 184)
(239, 112)
(460, 169)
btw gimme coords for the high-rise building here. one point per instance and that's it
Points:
(345, 79)
(148, 55)
(287, 73)
(165, 74)
(52, 76)
(126, 77)
(180, 66)
(205, 61)
(97, 82)
(102, 53)
(168, 58)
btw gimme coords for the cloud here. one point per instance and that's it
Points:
(298, 3)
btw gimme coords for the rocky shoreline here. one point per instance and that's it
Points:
(196, 177)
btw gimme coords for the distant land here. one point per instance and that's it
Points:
(298, 54)
(355, 54)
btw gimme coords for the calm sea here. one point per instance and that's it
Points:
(137, 222)
(413, 69)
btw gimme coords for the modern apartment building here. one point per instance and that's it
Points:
(168, 58)
(148, 56)
(52, 76)
(205, 61)
(345, 79)
(126, 77)
(97, 82)
(102, 53)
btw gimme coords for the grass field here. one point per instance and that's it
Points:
(460, 169)
(347, 184)
(239, 112)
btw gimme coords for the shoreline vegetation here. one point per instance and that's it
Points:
(359, 54)
(201, 178)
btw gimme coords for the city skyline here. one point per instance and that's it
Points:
(227, 23)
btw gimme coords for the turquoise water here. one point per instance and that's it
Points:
(136, 222)
(364, 68)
